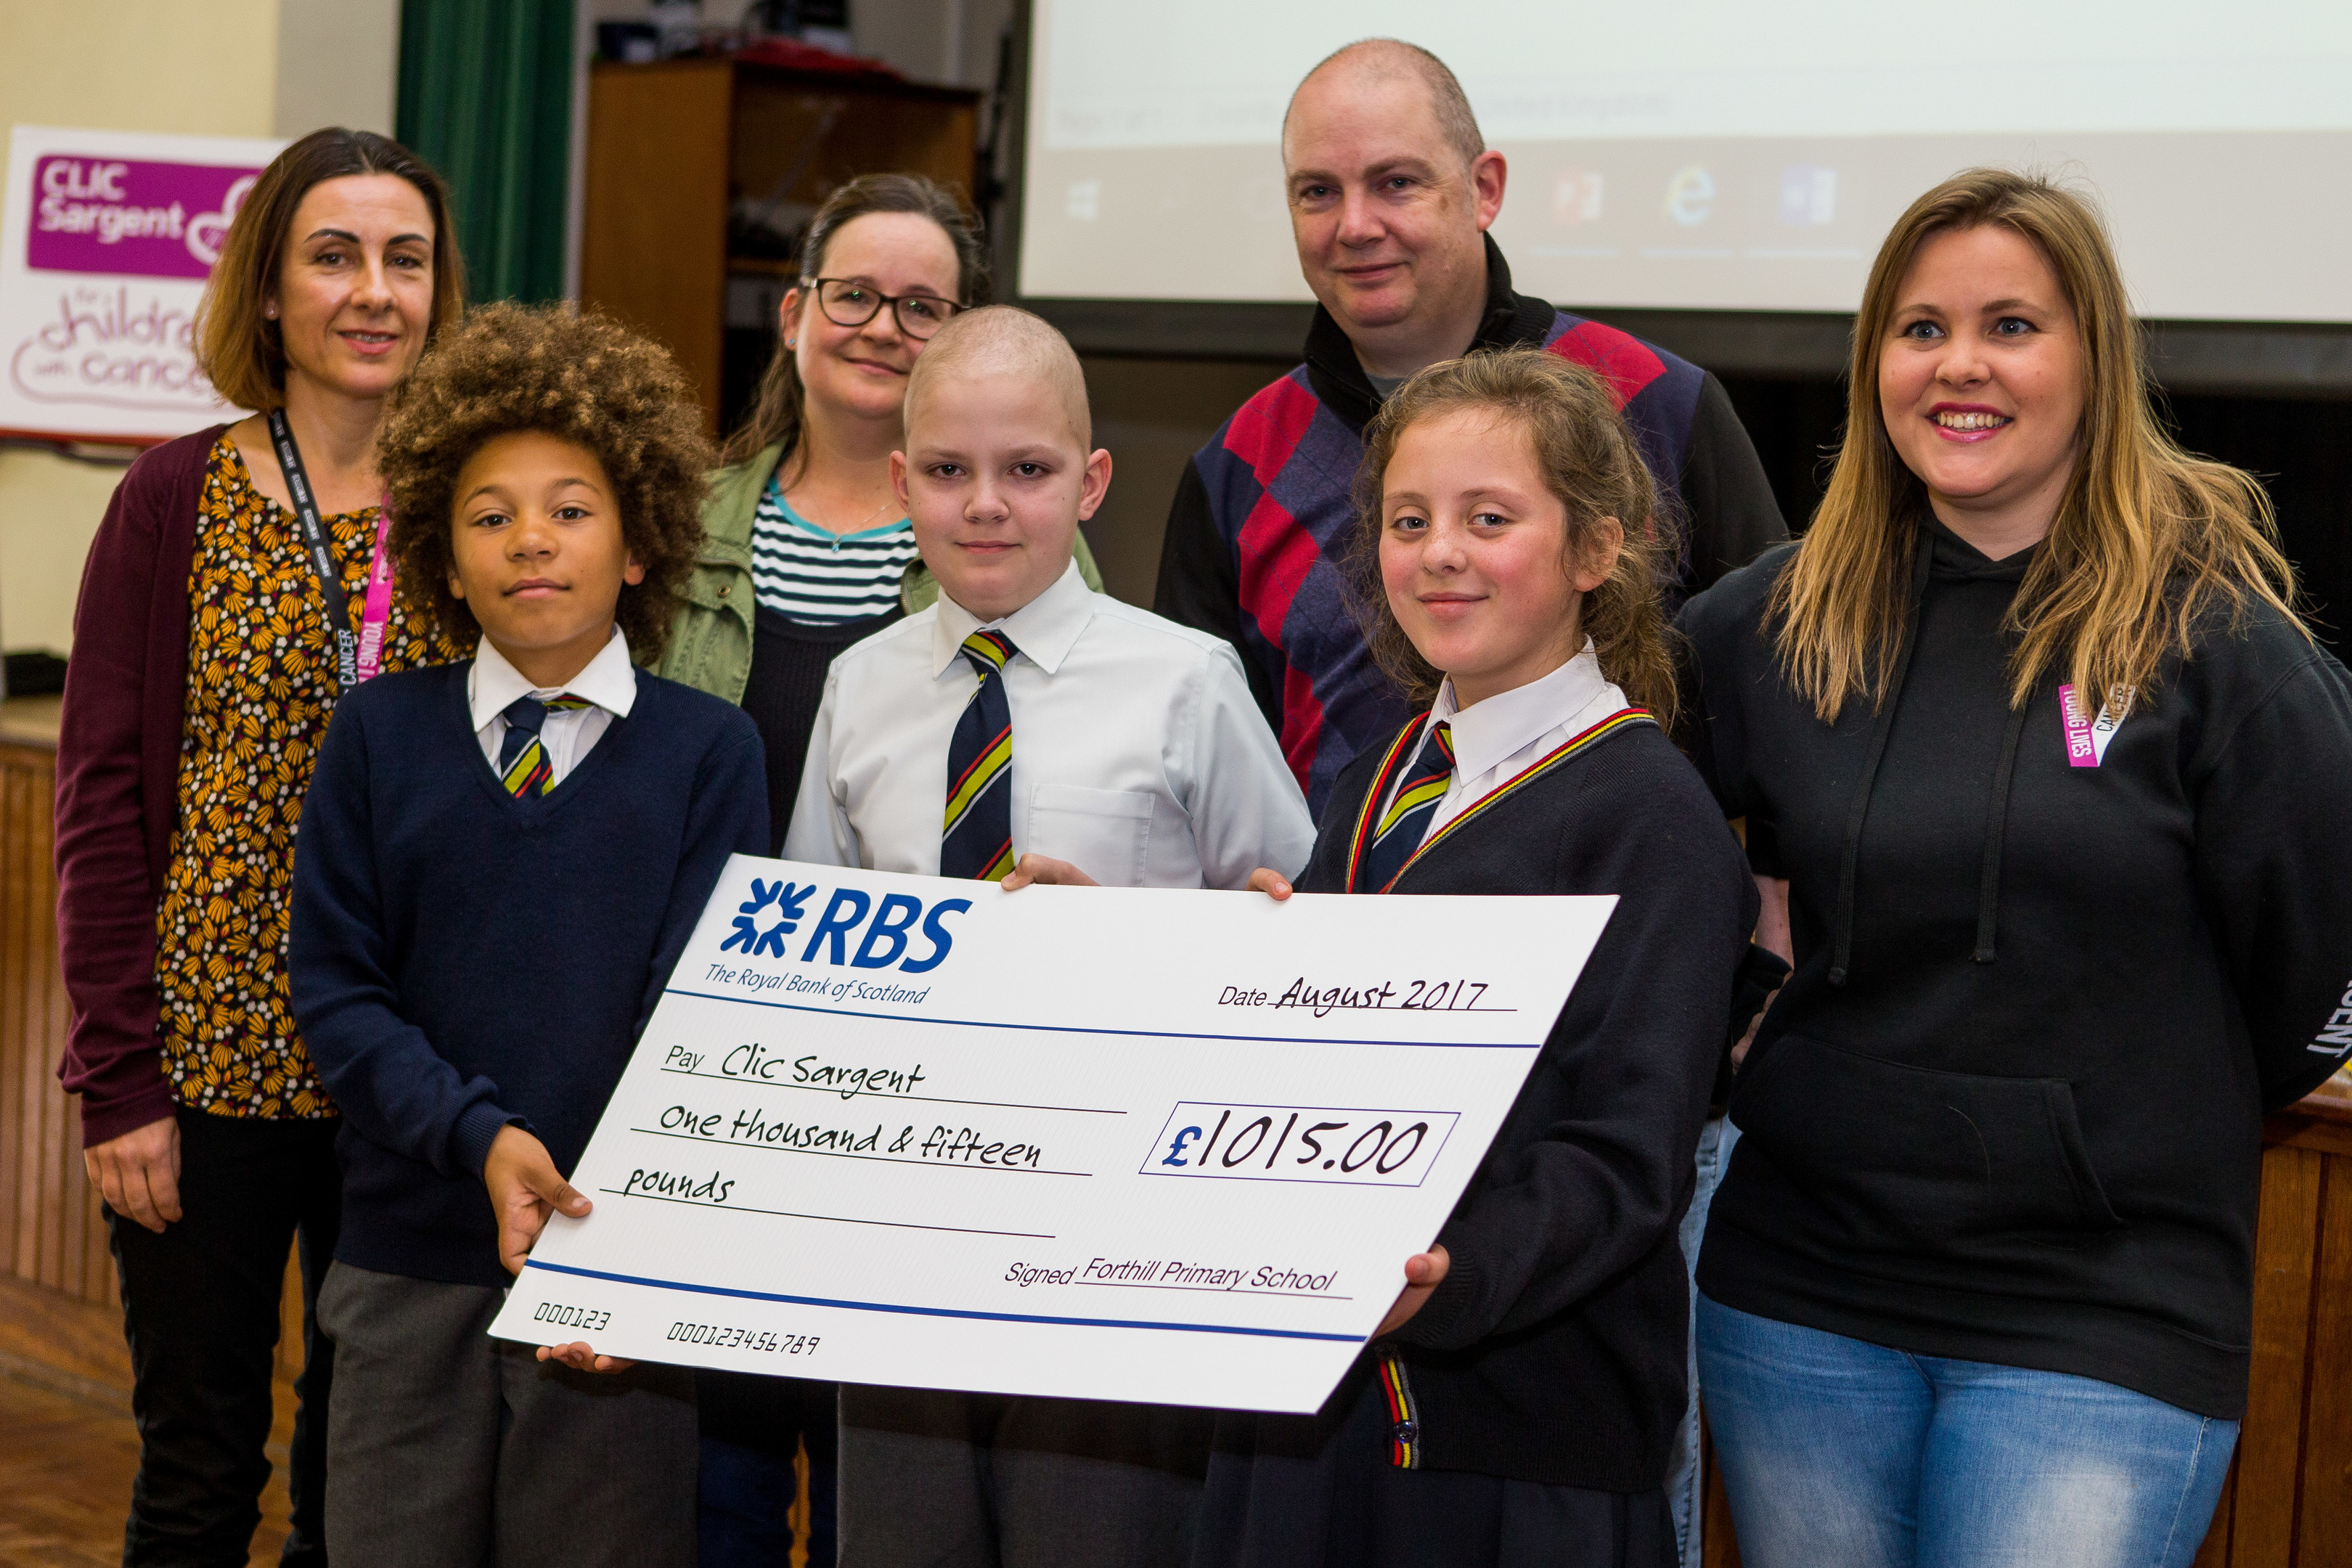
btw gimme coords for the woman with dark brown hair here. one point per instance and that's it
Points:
(237, 586)
(805, 550)
(2053, 788)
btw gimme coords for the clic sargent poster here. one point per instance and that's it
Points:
(107, 242)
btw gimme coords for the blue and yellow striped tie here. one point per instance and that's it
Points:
(1406, 822)
(523, 766)
(976, 839)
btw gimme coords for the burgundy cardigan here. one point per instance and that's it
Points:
(118, 782)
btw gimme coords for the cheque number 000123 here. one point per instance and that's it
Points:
(1298, 1143)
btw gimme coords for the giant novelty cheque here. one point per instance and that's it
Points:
(1114, 1144)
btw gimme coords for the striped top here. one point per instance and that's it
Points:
(818, 578)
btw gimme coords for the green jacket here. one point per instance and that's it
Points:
(710, 641)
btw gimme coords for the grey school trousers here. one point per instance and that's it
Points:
(973, 1481)
(446, 1448)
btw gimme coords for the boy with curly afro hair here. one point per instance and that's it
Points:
(499, 863)
(581, 378)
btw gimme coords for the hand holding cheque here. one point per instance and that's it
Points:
(1106, 1143)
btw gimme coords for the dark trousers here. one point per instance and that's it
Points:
(200, 1307)
(981, 1480)
(752, 1427)
(452, 1449)
(1318, 1491)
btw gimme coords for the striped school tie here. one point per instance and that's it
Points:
(1406, 822)
(976, 839)
(522, 759)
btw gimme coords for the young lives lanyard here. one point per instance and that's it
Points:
(359, 657)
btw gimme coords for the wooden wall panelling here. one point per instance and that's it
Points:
(653, 242)
(2262, 1515)
(52, 1227)
(36, 1186)
(2323, 1520)
(19, 1168)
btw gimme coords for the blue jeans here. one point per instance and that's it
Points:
(1837, 1453)
(1686, 1485)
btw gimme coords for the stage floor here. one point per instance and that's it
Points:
(65, 1482)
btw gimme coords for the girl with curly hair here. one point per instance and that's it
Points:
(500, 861)
(1520, 1400)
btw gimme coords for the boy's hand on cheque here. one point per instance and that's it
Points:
(526, 1190)
(1270, 882)
(580, 1357)
(1424, 1273)
(1047, 871)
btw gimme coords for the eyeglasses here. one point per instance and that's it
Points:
(848, 304)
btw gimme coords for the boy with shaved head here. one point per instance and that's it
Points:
(1025, 719)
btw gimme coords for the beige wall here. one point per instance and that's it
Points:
(336, 65)
(199, 68)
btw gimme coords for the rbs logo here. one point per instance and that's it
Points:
(884, 940)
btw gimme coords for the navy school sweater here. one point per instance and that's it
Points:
(461, 959)
(1264, 515)
(1554, 1349)
(2009, 1108)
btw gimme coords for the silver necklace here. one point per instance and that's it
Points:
(837, 533)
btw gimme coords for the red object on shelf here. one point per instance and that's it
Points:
(797, 56)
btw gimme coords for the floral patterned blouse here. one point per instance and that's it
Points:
(261, 686)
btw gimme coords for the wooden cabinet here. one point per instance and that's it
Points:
(673, 148)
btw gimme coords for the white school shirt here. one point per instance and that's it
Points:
(610, 682)
(1138, 754)
(1496, 740)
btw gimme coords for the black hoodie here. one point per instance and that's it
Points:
(2051, 973)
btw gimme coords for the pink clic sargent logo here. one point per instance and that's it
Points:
(131, 218)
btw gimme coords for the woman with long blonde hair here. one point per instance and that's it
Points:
(2051, 791)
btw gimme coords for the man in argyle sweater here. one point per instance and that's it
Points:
(1391, 190)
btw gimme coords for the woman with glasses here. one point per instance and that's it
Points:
(805, 552)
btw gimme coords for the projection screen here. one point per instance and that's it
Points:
(1715, 155)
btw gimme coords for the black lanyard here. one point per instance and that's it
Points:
(317, 547)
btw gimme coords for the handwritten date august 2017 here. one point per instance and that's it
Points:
(1424, 995)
